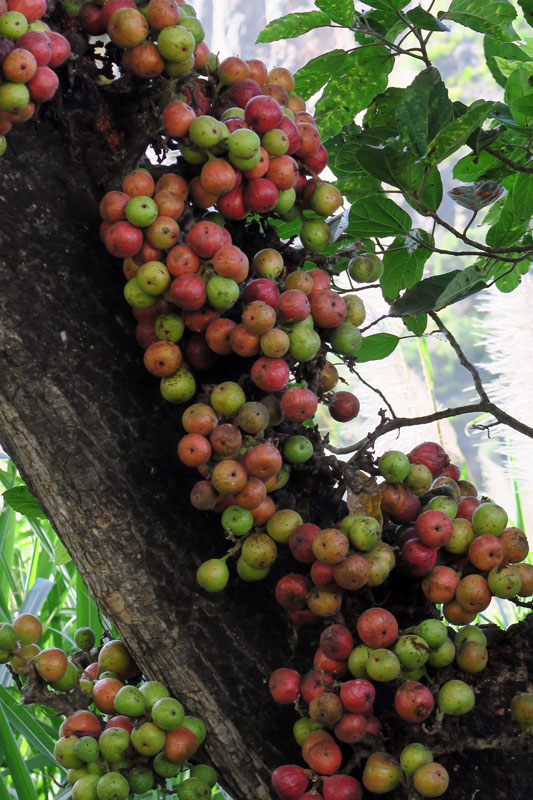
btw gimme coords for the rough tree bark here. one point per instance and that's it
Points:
(96, 443)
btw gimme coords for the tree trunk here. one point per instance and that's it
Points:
(96, 443)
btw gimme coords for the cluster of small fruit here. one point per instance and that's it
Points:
(142, 735)
(162, 36)
(349, 556)
(243, 474)
(433, 514)
(252, 137)
(382, 773)
(447, 521)
(29, 53)
(178, 303)
(346, 707)
(271, 148)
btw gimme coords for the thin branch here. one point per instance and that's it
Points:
(470, 253)
(378, 392)
(480, 389)
(472, 218)
(371, 325)
(386, 426)
(509, 161)
(477, 245)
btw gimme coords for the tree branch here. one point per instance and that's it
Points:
(388, 425)
(485, 248)
(480, 389)
(509, 161)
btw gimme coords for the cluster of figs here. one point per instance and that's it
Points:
(459, 546)
(30, 51)
(124, 736)
(248, 146)
(201, 291)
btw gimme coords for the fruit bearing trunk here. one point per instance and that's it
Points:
(95, 441)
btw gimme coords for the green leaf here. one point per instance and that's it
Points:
(382, 110)
(486, 16)
(356, 186)
(497, 52)
(421, 18)
(387, 5)
(392, 165)
(378, 216)
(311, 78)
(363, 75)
(21, 718)
(527, 8)
(522, 195)
(341, 11)
(474, 166)
(416, 324)
(292, 25)
(403, 263)
(62, 555)
(424, 110)
(509, 228)
(455, 134)
(437, 292)
(519, 86)
(36, 596)
(506, 66)
(377, 346)
(385, 24)
(522, 106)
(20, 499)
(15, 762)
(431, 195)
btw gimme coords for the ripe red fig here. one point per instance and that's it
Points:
(289, 782)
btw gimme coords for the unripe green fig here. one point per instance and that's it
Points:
(346, 339)
(166, 768)
(394, 466)
(141, 779)
(315, 234)
(112, 786)
(85, 638)
(86, 749)
(237, 520)
(179, 387)
(86, 788)
(456, 698)
(205, 772)
(213, 575)
(168, 713)
(152, 691)
(248, 573)
(413, 756)
(522, 710)
(175, 43)
(8, 636)
(433, 631)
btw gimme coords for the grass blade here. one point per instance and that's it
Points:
(4, 793)
(35, 598)
(15, 762)
(36, 733)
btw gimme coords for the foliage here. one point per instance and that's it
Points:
(402, 138)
